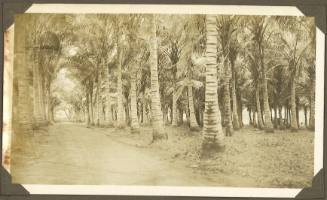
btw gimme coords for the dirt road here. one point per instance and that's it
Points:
(70, 153)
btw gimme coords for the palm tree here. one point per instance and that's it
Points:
(108, 111)
(255, 79)
(258, 27)
(174, 39)
(156, 112)
(212, 131)
(134, 120)
(295, 47)
(232, 57)
(120, 106)
(312, 72)
(188, 82)
(225, 25)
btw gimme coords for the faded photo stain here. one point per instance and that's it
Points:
(7, 96)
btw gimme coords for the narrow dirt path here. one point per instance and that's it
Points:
(73, 154)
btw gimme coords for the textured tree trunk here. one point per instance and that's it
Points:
(240, 112)
(127, 112)
(268, 124)
(180, 116)
(156, 113)
(134, 120)
(88, 116)
(236, 124)
(49, 103)
(144, 112)
(91, 104)
(306, 116)
(200, 117)
(120, 107)
(108, 112)
(294, 124)
(227, 104)
(193, 124)
(250, 117)
(238, 92)
(312, 106)
(254, 121)
(286, 116)
(187, 114)
(221, 107)
(275, 117)
(280, 115)
(98, 100)
(212, 131)
(174, 117)
(297, 103)
(257, 98)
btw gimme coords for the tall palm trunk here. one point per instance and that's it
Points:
(98, 99)
(88, 116)
(250, 117)
(297, 104)
(306, 116)
(193, 124)
(108, 112)
(275, 117)
(144, 111)
(312, 106)
(268, 124)
(294, 124)
(134, 119)
(280, 115)
(49, 114)
(286, 115)
(254, 121)
(156, 113)
(239, 108)
(175, 113)
(120, 106)
(42, 96)
(91, 102)
(227, 104)
(236, 124)
(257, 99)
(212, 131)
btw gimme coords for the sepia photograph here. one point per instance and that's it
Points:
(155, 99)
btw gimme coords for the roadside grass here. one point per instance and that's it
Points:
(282, 159)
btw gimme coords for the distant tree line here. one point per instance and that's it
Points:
(136, 69)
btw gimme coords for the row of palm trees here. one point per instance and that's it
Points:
(133, 69)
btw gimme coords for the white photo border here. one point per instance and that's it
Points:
(189, 191)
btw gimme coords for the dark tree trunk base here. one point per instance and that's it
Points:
(229, 132)
(210, 147)
(195, 129)
(157, 136)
